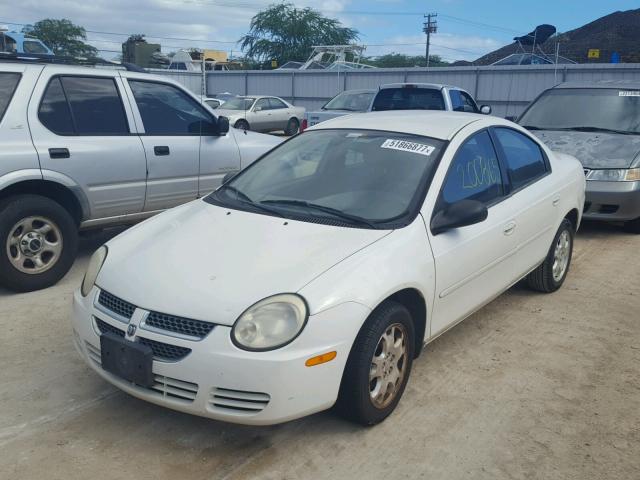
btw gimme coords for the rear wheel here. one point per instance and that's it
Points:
(242, 125)
(633, 226)
(550, 275)
(292, 127)
(379, 365)
(38, 242)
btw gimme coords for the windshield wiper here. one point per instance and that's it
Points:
(244, 198)
(322, 208)
(601, 129)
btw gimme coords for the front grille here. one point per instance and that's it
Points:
(184, 326)
(174, 388)
(608, 208)
(238, 402)
(105, 327)
(164, 351)
(115, 304)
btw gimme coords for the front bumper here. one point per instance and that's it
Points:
(220, 381)
(615, 201)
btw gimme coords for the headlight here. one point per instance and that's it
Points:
(615, 175)
(95, 264)
(271, 323)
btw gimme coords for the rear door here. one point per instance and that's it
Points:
(534, 196)
(473, 262)
(84, 135)
(169, 122)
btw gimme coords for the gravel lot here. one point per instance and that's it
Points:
(532, 386)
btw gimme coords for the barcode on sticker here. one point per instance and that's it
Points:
(404, 146)
(629, 93)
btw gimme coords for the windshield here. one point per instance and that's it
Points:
(350, 101)
(361, 178)
(585, 108)
(238, 103)
(406, 98)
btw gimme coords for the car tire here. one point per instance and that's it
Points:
(550, 275)
(293, 126)
(633, 226)
(242, 125)
(38, 242)
(377, 365)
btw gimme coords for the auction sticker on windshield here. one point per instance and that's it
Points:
(405, 146)
(629, 93)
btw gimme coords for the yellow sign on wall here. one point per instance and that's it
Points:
(594, 53)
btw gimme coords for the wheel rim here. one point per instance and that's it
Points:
(388, 365)
(34, 245)
(561, 255)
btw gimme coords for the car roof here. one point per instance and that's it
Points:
(359, 90)
(436, 124)
(416, 85)
(632, 84)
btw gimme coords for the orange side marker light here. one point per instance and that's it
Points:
(320, 359)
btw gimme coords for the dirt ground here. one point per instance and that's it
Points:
(531, 386)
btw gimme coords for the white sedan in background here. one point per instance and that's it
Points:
(262, 114)
(316, 274)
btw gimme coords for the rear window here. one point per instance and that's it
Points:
(8, 84)
(403, 98)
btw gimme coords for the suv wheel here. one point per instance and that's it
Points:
(378, 366)
(550, 275)
(38, 242)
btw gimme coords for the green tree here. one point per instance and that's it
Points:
(283, 32)
(62, 36)
(400, 60)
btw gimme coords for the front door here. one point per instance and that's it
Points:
(85, 137)
(169, 124)
(472, 262)
(261, 115)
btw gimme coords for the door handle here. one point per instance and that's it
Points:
(59, 153)
(509, 228)
(161, 150)
(555, 201)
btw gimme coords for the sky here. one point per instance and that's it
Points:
(467, 29)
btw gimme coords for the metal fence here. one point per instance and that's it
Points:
(508, 89)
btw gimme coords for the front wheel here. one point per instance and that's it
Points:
(550, 275)
(242, 125)
(38, 243)
(379, 365)
(633, 226)
(292, 127)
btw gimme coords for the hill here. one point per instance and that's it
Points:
(617, 32)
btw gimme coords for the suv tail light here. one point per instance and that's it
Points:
(304, 125)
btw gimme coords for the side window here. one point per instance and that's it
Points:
(167, 110)
(276, 103)
(262, 104)
(524, 158)
(96, 107)
(54, 111)
(212, 103)
(474, 173)
(8, 84)
(462, 102)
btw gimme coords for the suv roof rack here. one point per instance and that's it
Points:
(65, 60)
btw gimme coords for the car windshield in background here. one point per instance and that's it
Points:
(238, 103)
(356, 177)
(407, 98)
(588, 109)
(350, 101)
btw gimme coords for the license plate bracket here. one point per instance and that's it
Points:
(130, 361)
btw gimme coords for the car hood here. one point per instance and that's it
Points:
(252, 144)
(594, 149)
(210, 263)
(320, 116)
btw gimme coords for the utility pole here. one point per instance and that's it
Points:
(429, 27)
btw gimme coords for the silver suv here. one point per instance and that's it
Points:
(85, 147)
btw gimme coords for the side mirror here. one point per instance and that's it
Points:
(228, 177)
(511, 118)
(223, 125)
(459, 214)
(485, 109)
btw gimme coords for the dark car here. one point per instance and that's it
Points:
(599, 124)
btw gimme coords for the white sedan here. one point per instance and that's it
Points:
(317, 274)
(262, 114)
